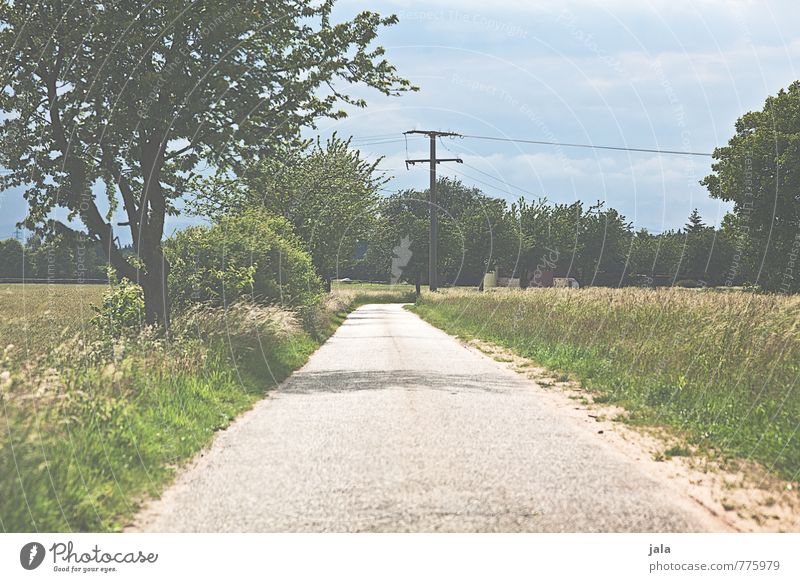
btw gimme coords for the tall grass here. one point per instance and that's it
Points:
(37, 317)
(92, 426)
(723, 368)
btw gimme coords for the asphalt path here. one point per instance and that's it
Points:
(395, 426)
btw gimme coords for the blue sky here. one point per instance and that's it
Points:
(671, 74)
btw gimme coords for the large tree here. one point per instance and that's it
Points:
(329, 192)
(759, 171)
(135, 97)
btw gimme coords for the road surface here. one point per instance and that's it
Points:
(395, 426)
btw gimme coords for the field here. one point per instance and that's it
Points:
(38, 317)
(92, 426)
(377, 292)
(721, 369)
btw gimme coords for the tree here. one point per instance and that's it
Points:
(64, 254)
(759, 171)
(398, 245)
(695, 224)
(250, 253)
(473, 234)
(328, 192)
(605, 239)
(698, 243)
(12, 258)
(136, 99)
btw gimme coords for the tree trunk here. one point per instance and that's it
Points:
(154, 285)
(524, 278)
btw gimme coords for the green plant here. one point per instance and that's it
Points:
(93, 427)
(677, 451)
(121, 311)
(104, 91)
(250, 254)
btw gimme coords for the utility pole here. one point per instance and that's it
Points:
(433, 250)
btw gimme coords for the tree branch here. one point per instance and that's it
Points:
(128, 197)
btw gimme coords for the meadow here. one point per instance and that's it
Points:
(92, 426)
(719, 369)
(37, 317)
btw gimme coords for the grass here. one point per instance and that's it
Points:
(92, 426)
(719, 368)
(37, 317)
(375, 292)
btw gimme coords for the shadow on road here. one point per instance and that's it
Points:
(351, 381)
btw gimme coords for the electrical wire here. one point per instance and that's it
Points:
(504, 182)
(589, 146)
(378, 142)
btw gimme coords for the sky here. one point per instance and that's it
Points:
(654, 74)
(651, 74)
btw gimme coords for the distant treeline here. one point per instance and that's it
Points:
(60, 257)
(592, 243)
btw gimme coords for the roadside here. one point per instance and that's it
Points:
(742, 494)
(94, 425)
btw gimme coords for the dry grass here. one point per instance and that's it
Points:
(36, 318)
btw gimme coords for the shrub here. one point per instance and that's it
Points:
(121, 311)
(252, 253)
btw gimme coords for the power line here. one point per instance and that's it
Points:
(507, 190)
(376, 136)
(590, 146)
(379, 139)
(503, 182)
(378, 142)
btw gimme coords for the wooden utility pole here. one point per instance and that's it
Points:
(433, 250)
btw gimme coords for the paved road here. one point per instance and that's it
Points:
(394, 426)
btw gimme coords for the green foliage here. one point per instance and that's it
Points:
(759, 171)
(107, 94)
(595, 245)
(473, 233)
(12, 259)
(94, 426)
(249, 254)
(58, 256)
(121, 311)
(65, 255)
(328, 193)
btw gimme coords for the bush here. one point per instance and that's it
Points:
(252, 253)
(122, 310)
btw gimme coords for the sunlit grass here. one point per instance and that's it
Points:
(38, 317)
